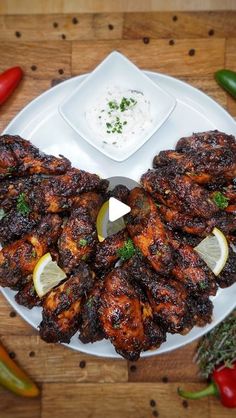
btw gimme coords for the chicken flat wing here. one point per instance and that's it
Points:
(90, 326)
(18, 157)
(179, 192)
(120, 314)
(148, 231)
(168, 298)
(107, 251)
(78, 239)
(206, 140)
(18, 259)
(62, 306)
(91, 201)
(202, 166)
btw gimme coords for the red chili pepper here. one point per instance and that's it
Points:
(223, 385)
(9, 80)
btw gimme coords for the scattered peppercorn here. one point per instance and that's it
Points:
(32, 354)
(175, 18)
(33, 67)
(18, 34)
(55, 24)
(185, 404)
(146, 40)
(152, 403)
(110, 27)
(165, 379)
(211, 32)
(61, 71)
(82, 364)
(12, 355)
(12, 314)
(171, 42)
(191, 52)
(63, 36)
(155, 413)
(75, 20)
(133, 368)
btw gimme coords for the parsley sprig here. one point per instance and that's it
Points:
(22, 205)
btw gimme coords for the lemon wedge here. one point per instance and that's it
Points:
(106, 228)
(214, 250)
(46, 275)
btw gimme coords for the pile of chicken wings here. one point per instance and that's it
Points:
(131, 297)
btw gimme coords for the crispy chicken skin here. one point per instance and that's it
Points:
(120, 314)
(228, 275)
(201, 166)
(14, 224)
(78, 239)
(91, 201)
(90, 325)
(62, 306)
(206, 140)
(179, 192)
(148, 231)
(18, 259)
(18, 157)
(107, 251)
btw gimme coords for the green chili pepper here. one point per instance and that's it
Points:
(227, 80)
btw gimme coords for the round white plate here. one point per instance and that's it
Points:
(41, 123)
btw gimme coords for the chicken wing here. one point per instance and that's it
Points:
(14, 225)
(18, 259)
(206, 140)
(18, 157)
(107, 251)
(62, 306)
(202, 166)
(78, 239)
(148, 231)
(27, 296)
(179, 192)
(228, 275)
(90, 325)
(91, 201)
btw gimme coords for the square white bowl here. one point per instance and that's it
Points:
(116, 70)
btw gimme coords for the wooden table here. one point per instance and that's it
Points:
(50, 48)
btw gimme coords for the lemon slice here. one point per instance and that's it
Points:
(214, 250)
(106, 228)
(46, 275)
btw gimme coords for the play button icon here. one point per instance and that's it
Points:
(117, 209)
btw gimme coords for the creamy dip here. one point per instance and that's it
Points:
(118, 116)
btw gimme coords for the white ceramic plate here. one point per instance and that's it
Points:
(41, 123)
(116, 70)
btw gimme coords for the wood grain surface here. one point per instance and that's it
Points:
(54, 47)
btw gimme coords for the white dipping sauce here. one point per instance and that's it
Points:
(118, 116)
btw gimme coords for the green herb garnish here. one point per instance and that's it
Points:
(220, 200)
(113, 105)
(22, 206)
(127, 251)
(34, 254)
(2, 213)
(218, 346)
(83, 242)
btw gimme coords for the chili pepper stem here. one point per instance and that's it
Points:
(211, 389)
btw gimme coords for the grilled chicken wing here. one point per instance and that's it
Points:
(62, 306)
(168, 298)
(228, 275)
(15, 224)
(202, 166)
(206, 140)
(18, 157)
(78, 239)
(90, 325)
(17, 260)
(107, 251)
(120, 314)
(179, 192)
(148, 231)
(91, 201)
(27, 296)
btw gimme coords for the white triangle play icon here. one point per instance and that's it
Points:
(117, 209)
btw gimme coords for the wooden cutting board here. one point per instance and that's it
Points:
(51, 48)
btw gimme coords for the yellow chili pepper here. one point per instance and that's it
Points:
(15, 379)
